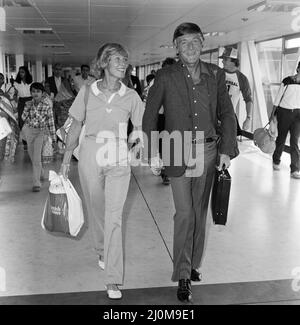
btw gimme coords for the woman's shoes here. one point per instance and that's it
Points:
(113, 292)
(36, 188)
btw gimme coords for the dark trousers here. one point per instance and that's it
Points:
(191, 197)
(21, 104)
(288, 121)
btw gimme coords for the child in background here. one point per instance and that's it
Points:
(38, 123)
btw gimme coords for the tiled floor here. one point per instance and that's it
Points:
(259, 244)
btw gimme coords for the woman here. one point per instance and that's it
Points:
(8, 144)
(22, 86)
(105, 181)
(288, 117)
(38, 123)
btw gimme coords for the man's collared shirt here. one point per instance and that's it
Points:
(39, 116)
(200, 102)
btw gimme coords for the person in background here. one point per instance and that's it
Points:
(149, 80)
(237, 83)
(7, 90)
(9, 143)
(22, 86)
(38, 124)
(134, 80)
(195, 98)
(288, 117)
(61, 93)
(84, 78)
(105, 182)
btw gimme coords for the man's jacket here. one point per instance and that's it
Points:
(171, 91)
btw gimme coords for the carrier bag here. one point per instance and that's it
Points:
(63, 211)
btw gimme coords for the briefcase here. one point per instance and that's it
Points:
(220, 196)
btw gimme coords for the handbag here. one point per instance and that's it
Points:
(264, 139)
(5, 128)
(220, 196)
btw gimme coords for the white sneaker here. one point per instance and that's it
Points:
(113, 292)
(101, 263)
(295, 174)
(276, 167)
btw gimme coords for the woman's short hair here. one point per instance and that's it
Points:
(28, 76)
(37, 86)
(187, 28)
(103, 55)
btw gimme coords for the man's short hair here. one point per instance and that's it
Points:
(187, 28)
(84, 66)
(168, 61)
(37, 86)
(57, 66)
(150, 77)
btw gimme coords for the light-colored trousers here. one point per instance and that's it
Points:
(191, 197)
(35, 139)
(105, 191)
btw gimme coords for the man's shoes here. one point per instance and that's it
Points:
(295, 174)
(276, 166)
(113, 292)
(101, 263)
(36, 188)
(166, 180)
(184, 291)
(196, 276)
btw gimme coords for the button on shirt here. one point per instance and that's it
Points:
(108, 116)
(200, 104)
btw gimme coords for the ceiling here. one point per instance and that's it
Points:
(145, 27)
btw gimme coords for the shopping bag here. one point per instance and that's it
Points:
(5, 128)
(55, 215)
(63, 211)
(47, 151)
(220, 197)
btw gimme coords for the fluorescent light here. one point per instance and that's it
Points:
(2, 19)
(292, 43)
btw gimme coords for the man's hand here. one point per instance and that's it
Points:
(246, 124)
(156, 165)
(224, 161)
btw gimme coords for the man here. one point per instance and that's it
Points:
(84, 78)
(194, 96)
(58, 85)
(288, 117)
(237, 83)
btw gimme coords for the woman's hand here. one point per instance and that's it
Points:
(64, 170)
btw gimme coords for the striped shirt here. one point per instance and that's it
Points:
(40, 116)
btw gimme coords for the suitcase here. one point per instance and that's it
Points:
(220, 197)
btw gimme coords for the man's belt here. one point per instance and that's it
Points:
(205, 140)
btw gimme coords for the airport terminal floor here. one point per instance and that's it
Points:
(254, 259)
